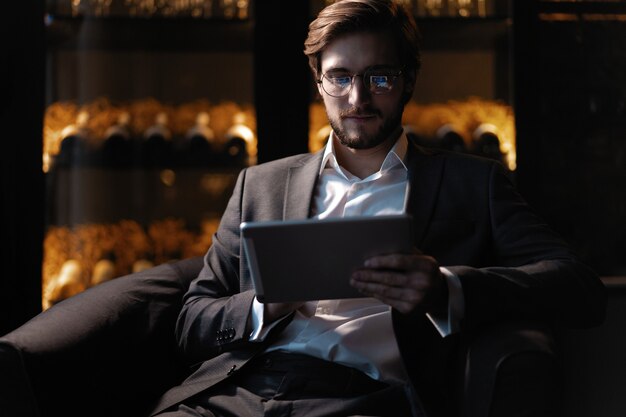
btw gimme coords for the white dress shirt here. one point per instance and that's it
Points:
(356, 332)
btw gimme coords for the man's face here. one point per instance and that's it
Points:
(361, 119)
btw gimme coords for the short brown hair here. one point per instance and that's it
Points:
(350, 16)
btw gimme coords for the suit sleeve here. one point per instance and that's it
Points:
(535, 275)
(215, 314)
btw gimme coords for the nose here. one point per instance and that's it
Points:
(359, 93)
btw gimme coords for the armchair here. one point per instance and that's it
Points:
(110, 351)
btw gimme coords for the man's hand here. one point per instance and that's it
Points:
(403, 281)
(274, 311)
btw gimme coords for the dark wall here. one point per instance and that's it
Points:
(594, 372)
(570, 106)
(21, 120)
(281, 78)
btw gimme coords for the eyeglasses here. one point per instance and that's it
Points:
(378, 81)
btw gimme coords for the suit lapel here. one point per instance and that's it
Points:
(425, 174)
(301, 182)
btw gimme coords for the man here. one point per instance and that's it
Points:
(481, 255)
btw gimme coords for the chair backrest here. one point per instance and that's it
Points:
(109, 351)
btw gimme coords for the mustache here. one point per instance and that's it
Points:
(359, 111)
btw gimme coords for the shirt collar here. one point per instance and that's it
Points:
(394, 158)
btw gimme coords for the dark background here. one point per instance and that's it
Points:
(565, 79)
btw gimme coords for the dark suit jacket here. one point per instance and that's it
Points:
(466, 214)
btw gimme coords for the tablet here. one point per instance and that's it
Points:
(303, 260)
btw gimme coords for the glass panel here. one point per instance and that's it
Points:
(149, 118)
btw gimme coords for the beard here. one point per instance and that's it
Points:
(366, 140)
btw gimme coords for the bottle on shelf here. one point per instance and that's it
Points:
(240, 142)
(117, 147)
(199, 145)
(207, 8)
(467, 8)
(228, 9)
(431, 8)
(103, 270)
(450, 138)
(243, 7)
(141, 265)
(75, 147)
(155, 150)
(486, 142)
(68, 282)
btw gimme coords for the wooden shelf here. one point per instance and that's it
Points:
(576, 7)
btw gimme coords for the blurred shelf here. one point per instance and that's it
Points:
(594, 6)
(145, 195)
(463, 33)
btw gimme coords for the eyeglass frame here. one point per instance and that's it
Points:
(397, 75)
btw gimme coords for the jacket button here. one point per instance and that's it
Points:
(230, 372)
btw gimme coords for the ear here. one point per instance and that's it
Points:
(320, 91)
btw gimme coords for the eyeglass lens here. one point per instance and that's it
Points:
(338, 84)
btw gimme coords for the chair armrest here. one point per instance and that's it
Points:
(112, 345)
(489, 348)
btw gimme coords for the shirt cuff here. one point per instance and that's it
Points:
(259, 330)
(450, 323)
